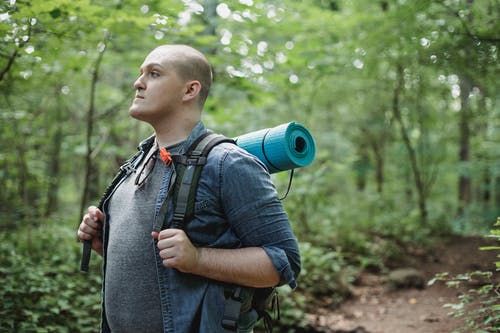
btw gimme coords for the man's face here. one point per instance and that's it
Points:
(159, 90)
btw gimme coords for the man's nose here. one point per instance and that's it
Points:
(139, 84)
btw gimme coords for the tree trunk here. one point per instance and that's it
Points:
(379, 166)
(54, 164)
(485, 188)
(361, 167)
(89, 168)
(417, 174)
(303, 219)
(23, 173)
(464, 180)
(210, 16)
(496, 192)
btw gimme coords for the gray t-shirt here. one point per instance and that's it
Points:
(132, 298)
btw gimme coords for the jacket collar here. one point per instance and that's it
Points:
(199, 129)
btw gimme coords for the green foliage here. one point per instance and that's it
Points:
(480, 304)
(42, 291)
(293, 309)
(325, 279)
(325, 272)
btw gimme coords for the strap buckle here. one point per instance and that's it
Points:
(232, 308)
(196, 160)
(128, 168)
(177, 220)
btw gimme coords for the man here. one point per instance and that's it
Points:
(175, 280)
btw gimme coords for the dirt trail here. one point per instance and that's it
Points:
(376, 309)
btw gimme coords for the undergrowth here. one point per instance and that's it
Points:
(43, 290)
(41, 287)
(479, 305)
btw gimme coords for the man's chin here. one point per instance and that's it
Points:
(141, 116)
(136, 114)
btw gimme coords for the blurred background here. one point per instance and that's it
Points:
(401, 97)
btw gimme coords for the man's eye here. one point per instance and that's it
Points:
(154, 74)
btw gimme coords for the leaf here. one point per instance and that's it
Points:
(489, 248)
(55, 13)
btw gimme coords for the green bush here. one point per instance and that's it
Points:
(326, 277)
(325, 272)
(41, 287)
(480, 304)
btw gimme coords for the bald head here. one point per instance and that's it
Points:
(189, 64)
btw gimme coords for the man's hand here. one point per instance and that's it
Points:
(177, 251)
(91, 227)
(249, 266)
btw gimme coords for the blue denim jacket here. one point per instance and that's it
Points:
(236, 206)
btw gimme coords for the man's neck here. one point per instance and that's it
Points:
(170, 133)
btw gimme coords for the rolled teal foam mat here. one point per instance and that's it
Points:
(284, 147)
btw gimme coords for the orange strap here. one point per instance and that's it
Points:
(166, 157)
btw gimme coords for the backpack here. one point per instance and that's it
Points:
(188, 170)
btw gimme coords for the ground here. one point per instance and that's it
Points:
(375, 308)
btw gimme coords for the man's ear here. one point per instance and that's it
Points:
(192, 90)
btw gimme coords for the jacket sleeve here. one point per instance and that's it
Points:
(255, 213)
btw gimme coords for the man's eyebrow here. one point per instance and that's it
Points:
(150, 65)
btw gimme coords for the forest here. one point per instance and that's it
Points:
(401, 97)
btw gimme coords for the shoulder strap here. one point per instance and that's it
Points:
(127, 168)
(188, 168)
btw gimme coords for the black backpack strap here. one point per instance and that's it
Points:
(127, 168)
(188, 168)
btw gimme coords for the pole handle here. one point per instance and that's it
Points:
(87, 249)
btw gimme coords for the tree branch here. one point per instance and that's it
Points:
(112, 109)
(9, 65)
(468, 32)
